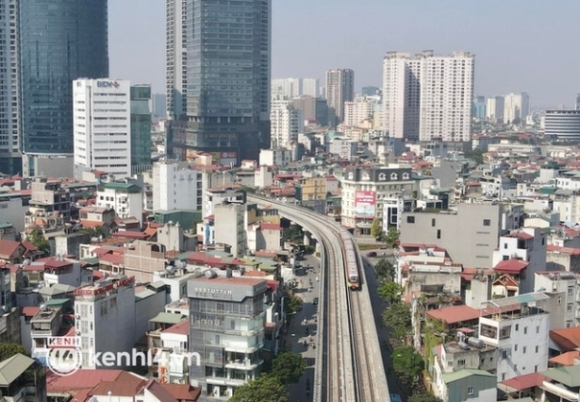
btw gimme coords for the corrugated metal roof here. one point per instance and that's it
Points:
(458, 375)
(519, 299)
(168, 318)
(568, 375)
(13, 367)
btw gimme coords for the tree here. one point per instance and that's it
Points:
(385, 270)
(398, 318)
(476, 155)
(94, 231)
(376, 228)
(293, 304)
(288, 367)
(265, 388)
(408, 364)
(423, 397)
(391, 292)
(391, 237)
(39, 242)
(9, 349)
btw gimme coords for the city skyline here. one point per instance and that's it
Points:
(529, 59)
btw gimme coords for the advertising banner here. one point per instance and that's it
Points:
(365, 204)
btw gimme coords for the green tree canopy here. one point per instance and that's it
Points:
(407, 364)
(391, 292)
(39, 242)
(423, 397)
(9, 349)
(94, 231)
(288, 367)
(293, 303)
(398, 317)
(265, 388)
(376, 228)
(391, 237)
(385, 270)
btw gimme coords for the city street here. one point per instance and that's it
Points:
(303, 327)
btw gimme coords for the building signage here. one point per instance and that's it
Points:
(365, 204)
(217, 293)
(108, 84)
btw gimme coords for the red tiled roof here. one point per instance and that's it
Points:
(91, 224)
(130, 235)
(203, 258)
(259, 274)
(113, 259)
(8, 247)
(181, 328)
(57, 264)
(524, 381)
(565, 359)
(160, 393)
(269, 226)
(183, 392)
(126, 384)
(29, 311)
(511, 266)
(566, 338)
(454, 314)
(563, 250)
(80, 379)
(520, 235)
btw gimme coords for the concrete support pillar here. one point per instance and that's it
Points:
(307, 238)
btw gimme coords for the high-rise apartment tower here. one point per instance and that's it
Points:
(428, 96)
(339, 89)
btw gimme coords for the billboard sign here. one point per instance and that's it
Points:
(365, 204)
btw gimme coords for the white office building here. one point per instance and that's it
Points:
(428, 96)
(359, 110)
(310, 87)
(516, 107)
(175, 188)
(102, 126)
(285, 123)
(286, 88)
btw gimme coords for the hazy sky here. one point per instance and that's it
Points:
(520, 45)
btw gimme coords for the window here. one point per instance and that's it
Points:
(505, 245)
(503, 377)
(433, 222)
(517, 327)
(486, 222)
(515, 367)
(438, 233)
(569, 307)
(559, 300)
(470, 390)
(516, 348)
(525, 330)
(461, 362)
(537, 349)
(525, 349)
(571, 291)
(410, 219)
(535, 369)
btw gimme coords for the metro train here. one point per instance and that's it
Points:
(352, 268)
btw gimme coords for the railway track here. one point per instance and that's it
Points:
(349, 365)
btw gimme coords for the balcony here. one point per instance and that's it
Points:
(577, 313)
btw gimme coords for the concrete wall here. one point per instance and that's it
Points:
(470, 236)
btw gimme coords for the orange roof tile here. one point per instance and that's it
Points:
(565, 359)
(566, 338)
(454, 314)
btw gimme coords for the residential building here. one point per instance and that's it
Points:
(310, 87)
(564, 292)
(46, 324)
(285, 124)
(518, 327)
(21, 380)
(479, 105)
(176, 188)
(469, 385)
(124, 197)
(230, 120)
(516, 108)
(10, 158)
(72, 38)
(401, 95)
(559, 258)
(359, 110)
(563, 124)
(418, 91)
(230, 228)
(63, 271)
(521, 254)
(142, 259)
(495, 108)
(286, 88)
(339, 89)
(102, 127)
(229, 336)
(141, 119)
(159, 107)
(264, 236)
(480, 228)
(314, 109)
(275, 157)
(343, 147)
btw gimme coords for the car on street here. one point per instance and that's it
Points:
(372, 254)
(315, 300)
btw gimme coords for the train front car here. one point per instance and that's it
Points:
(352, 269)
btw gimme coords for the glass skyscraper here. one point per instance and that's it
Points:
(140, 128)
(218, 75)
(60, 41)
